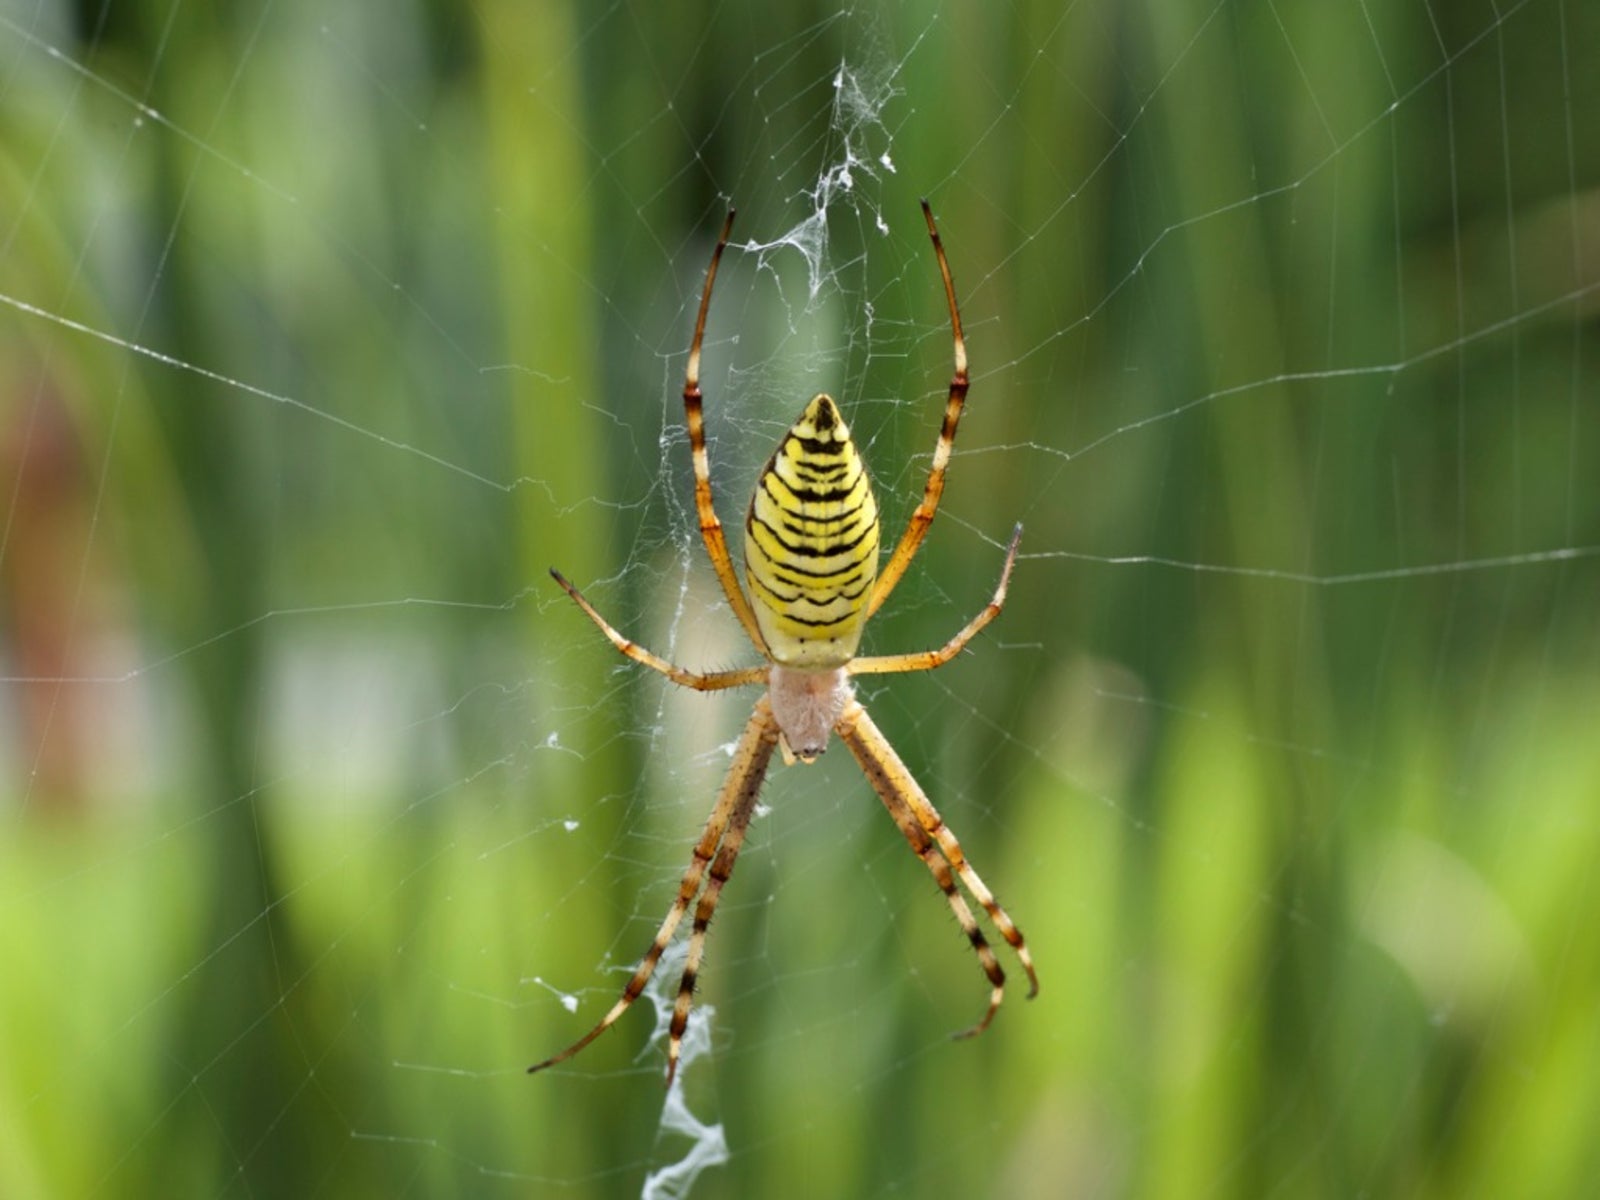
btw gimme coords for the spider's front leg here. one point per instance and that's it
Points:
(937, 846)
(717, 849)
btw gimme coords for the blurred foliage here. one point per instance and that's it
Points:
(327, 329)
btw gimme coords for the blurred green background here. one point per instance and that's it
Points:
(326, 329)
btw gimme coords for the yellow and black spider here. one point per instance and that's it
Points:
(811, 565)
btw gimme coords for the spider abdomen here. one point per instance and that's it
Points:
(811, 543)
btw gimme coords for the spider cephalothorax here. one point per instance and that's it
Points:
(811, 567)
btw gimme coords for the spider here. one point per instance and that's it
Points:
(811, 567)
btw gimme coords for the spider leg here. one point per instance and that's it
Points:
(734, 804)
(917, 528)
(694, 415)
(748, 787)
(926, 660)
(884, 769)
(711, 682)
(925, 849)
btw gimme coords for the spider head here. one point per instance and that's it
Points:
(806, 704)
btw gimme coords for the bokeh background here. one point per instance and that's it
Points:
(326, 329)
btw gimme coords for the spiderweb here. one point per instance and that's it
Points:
(325, 330)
